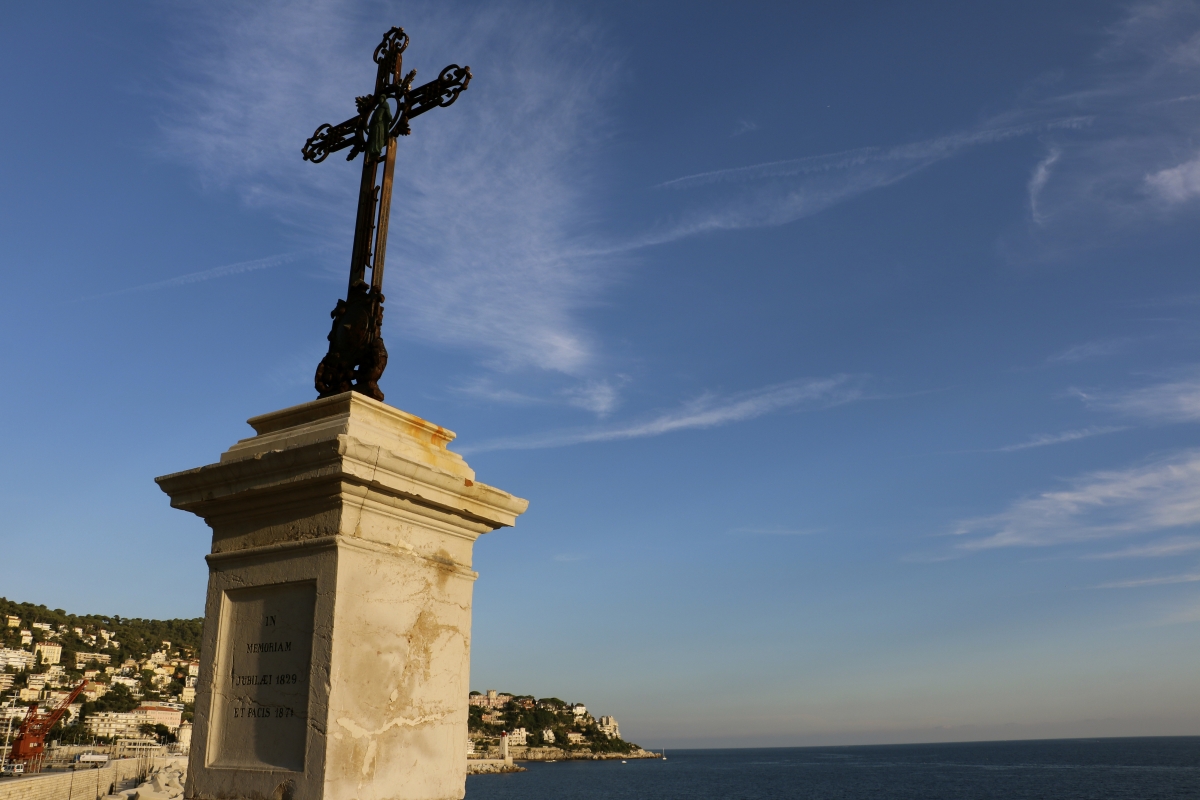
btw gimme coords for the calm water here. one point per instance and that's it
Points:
(1096, 769)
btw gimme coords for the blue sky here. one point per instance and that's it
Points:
(849, 354)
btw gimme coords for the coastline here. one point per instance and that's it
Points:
(560, 754)
(493, 766)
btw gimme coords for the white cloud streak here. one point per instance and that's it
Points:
(1177, 184)
(1163, 549)
(1101, 348)
(707, 411)
(1158, 496)
(1127, 169)
(744, 126)
(1113, 138)
(1164, 580)
(774, 531)
(1170, 401)
(923, 153)
(204, 275)
(779, 192)
(1059, 438)
(1037, 182)
(598, 397)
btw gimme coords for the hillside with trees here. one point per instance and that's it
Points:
(539, 716)
(136, 637)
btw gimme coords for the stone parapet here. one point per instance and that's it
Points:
(81, 784)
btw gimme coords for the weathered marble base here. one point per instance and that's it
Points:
(336, 653)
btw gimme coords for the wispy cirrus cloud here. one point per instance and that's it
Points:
(1037, 182)
(222, 271)
(1118, 140)
(773, 531)
(1137, 163)
(707, 411)
(1177, 184)
(1157, 496)
(1168, 547)
(1099, 348)
(905, 156)
(490, 195)
(1175, 400)
(744, 126)
(779, 192)
(1163, 580)
(1047, 439)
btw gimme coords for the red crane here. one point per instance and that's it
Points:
(30, 743)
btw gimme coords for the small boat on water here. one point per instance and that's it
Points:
(664, 754)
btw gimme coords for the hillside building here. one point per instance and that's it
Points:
(51, 652)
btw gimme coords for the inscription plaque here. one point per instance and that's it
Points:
(260, 702)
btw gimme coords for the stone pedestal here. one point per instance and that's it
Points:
(337, 630)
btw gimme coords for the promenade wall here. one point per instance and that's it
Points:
(79, 784)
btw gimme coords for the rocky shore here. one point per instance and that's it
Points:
(560, 754)
(491, 766)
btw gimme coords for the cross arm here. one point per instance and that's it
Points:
(441, 91)
(331, 138)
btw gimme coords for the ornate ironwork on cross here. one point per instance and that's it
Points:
(357, 357)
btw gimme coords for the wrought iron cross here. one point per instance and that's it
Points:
(357, 357)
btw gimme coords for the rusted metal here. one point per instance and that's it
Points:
(356, 356)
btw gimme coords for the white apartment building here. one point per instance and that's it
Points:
(169, 714)
(574, 738)
(548, 736)
(579, 709)
(17, 659)
(518, 736)
(132, 683)
(51, 652)
(26, 637)
(115, 724)
(83, 658)
(184, 734)
(608, 726)
(94, 691)
(41, 626)
(14, 622)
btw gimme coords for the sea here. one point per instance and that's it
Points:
(1061, 769)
